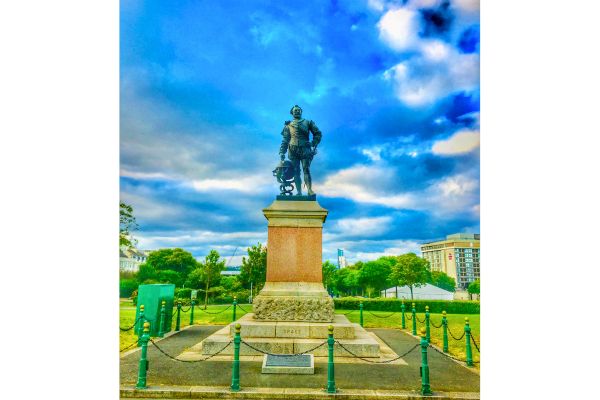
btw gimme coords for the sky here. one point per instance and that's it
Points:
(205, 89)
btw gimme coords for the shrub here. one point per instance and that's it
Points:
(383, 304)
(126, 287)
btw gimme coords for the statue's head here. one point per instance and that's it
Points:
(296, 111)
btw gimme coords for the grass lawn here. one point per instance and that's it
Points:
(456, 323)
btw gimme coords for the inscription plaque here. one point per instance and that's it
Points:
(301, 360)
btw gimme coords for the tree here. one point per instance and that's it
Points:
(146, 273)
(374, 275)
(329, 271)
(211, 270)
(411, 271)
(127, 224)
(473, 288)
(443, 281)
(253, 273)
(177, 260)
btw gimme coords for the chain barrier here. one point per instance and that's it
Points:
(418, 320)
(190, 361)
(381, 316)
(240, 307)
(453, 337)
(349, 312)
(475, 343)
(449, 356)
(218, 312)
(408, 316)
(128, 347)
(432, 324)
(274, 354)
(378, 362)
(132, 326)
(184, 311)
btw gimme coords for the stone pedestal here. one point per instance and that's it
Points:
(293, 310)
(294, 287)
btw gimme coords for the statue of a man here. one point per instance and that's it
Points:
(296, 142)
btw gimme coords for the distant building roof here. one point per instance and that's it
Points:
(425, 292)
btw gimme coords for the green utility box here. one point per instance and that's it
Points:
(151, 297)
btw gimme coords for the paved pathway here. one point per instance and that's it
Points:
(445, 374)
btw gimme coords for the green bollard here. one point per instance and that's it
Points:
(235, 372)
(192, 313)
(143, 365)
(163, 313)
(141, 322)
(427, 329)
(234, 307)
(178, 321)
(330, 370)
(445, 329)
(414, 320)
(468, 338)
(425, 388)
(361, 313)
(403, 319)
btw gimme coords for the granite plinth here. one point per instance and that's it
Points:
(250, 327)
(360, 342)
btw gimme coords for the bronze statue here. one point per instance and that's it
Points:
(296, 142)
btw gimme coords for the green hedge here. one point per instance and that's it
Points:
(127, 287)
(383, 304)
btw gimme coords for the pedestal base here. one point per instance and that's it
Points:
(357, 339)
(293, 301)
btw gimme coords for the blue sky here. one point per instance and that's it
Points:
(393, 85)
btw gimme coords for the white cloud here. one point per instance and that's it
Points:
(377, 5)
(363, 226)
(461, 142)
(435, 50)
(244, 184)
(401, 247)
(398, 28)
(361, 183)
(194, 238)
(422, 80)
(467, 5)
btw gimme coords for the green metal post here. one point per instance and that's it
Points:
(178, 321)
(234, 307)
(427, 329)
(143, 365)
(192, 313)
(414, 320)
(235, 372)
(445, 329)
(425, 388)
(403, 319)
(330, 370)
(468, 339)
(361, 313)
(141, 322)
(163, 317)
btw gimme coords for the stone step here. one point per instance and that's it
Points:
(363, 345)
(251, 328)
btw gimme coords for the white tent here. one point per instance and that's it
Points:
(425, 292)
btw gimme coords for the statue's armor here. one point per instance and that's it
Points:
(296, 138)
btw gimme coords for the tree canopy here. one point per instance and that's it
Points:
(328, 270)
(211, 271)
(443, 281)
(411, 270)
(254, 267)
(474, 287)
(127, 224)
(374, 275)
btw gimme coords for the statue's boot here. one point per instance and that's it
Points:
(308, 183)
(298, 184)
